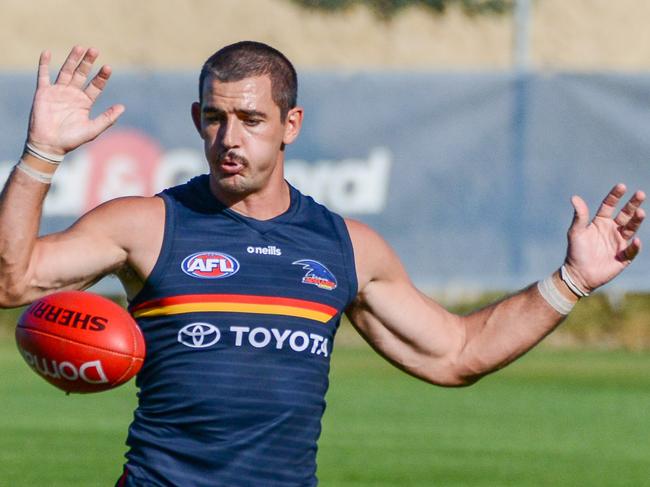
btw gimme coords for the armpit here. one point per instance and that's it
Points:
(131, 281)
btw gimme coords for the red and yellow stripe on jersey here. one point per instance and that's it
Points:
(234, 303)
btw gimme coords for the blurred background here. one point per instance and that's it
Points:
(459, 129)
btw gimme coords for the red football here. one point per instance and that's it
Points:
(80, 342)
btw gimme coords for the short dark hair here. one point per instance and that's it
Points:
(247, 59)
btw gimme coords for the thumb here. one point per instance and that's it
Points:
(581, 213)
(106, 119)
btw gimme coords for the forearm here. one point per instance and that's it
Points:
(21, 204)
(498, 334)
(59, 123)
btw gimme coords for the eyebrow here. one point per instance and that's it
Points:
(242, 111)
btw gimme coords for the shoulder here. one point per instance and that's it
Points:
(193, 192)
(363, 237)
(126, 209)
(374, 258)
(136, 226)
(124, 220)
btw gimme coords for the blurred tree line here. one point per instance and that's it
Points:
(386, 9)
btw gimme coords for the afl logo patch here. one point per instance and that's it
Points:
(210, 265)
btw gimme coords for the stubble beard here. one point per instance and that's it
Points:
(233, 185)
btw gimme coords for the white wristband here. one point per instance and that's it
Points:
(39, 176)
(43, 156)
(554, 297)
(568, 280)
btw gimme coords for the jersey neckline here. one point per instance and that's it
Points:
(261, 226)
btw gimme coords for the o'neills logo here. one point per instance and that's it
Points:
(268, 250)
(210, 265)
(90, 372)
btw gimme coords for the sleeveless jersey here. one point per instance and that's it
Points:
(239, 317)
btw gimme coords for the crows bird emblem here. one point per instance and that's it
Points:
(317, 274)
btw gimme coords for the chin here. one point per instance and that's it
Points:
(235, 185)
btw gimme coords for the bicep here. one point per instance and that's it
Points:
(408, 328)
(79, 256)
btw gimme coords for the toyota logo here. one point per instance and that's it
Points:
(199, 335)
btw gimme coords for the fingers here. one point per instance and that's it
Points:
(628, 211)
(75, 71)
(106, 119)
(71, 62)
(581, 213)
(97, 84)
(628, 230)
(608, 206)
(83, 69)
(43, 77)
(631, 251)
(77, 66)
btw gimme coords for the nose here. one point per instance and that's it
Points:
(229, 135)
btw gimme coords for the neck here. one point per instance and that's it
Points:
(264, 204)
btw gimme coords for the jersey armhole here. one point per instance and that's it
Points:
(164, 254)
(348, 256)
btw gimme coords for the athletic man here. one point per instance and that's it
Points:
(238, 281)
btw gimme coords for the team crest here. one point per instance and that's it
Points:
(210, 265)
(317, 274)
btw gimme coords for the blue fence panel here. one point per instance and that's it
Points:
(467, 175)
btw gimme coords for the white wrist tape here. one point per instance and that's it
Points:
(568, 280)
(43, 156)
(554, 297)
(39, 176)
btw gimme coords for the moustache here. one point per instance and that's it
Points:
(230, 156)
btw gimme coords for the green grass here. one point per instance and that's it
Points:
(50, 439)
(556, 418)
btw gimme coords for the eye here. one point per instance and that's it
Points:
(211, 118)
(252, 122)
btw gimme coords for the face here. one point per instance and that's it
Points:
(243, 135)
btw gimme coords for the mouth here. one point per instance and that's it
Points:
(231, 164)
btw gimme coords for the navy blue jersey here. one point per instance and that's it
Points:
(239, 317)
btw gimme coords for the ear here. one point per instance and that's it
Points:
(196, 117)
(292, 125)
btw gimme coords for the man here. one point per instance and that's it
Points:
(238, 281)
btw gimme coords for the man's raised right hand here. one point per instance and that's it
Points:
(60, 117)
